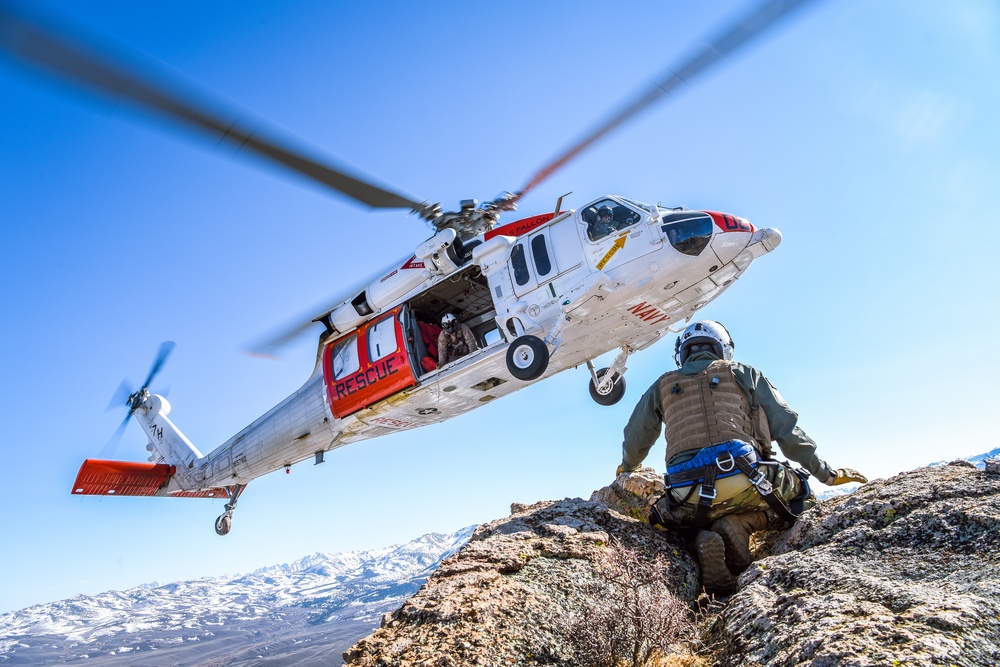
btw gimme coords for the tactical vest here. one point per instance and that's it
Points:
(704, 409)
(455, 343)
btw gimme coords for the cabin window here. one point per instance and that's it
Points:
(492, 336)
(520, 264)
(344, 357)
(382, 338)
(541, 254)
(688, 233)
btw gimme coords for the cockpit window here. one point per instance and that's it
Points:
(688, 232)
(606, 217)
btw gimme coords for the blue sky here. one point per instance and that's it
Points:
(865, 131)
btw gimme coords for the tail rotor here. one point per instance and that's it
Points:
(133, 398)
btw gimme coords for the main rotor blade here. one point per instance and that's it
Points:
(717, 50)
(271, 346)
(44, 49)
(161, 357)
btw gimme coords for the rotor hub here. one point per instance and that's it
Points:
(472, 219)
(137, 398)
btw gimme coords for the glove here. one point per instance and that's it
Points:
(845, 475)
(621, 469)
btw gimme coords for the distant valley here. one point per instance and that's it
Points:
(303, 613)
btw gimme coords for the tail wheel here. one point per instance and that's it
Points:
(223, 524)
(527, 358)
(609, 396)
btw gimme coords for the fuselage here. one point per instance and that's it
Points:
(583, 286)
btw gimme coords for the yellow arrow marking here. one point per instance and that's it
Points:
(619, 244)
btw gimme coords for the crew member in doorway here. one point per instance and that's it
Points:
(722, 483)
(455, 340)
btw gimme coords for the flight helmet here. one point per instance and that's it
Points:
(708, 333)
(449, 322)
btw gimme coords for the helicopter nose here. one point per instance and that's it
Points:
(769, 238)
(731, 223)
(733, 234)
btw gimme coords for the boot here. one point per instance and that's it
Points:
(711, 550)
(736, 530)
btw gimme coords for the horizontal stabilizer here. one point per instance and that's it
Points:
(127, 478)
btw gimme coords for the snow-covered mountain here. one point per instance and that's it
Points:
(979, 460)
(306, 611)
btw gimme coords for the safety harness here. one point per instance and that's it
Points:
(725, 460)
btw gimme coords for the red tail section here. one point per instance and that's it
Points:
(126, 478)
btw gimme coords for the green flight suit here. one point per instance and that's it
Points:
(646, 424)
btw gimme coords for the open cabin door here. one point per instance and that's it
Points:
(367, 365)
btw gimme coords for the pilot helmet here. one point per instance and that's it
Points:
(449, 322)
(705, 332)
(605, 210)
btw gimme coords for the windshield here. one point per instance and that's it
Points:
(688, 232)
(637, 204)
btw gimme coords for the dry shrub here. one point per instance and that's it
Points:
(633, 618)
(678, 660)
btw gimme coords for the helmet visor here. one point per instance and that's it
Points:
(696, 345)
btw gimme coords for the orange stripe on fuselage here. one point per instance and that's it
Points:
(520, 227)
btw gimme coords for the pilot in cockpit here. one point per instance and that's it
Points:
(605, 223)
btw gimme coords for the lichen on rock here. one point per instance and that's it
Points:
(902, 572)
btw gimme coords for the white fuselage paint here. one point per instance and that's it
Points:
(643, 288)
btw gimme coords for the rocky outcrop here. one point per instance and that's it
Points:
(509, 595)
(902, 572)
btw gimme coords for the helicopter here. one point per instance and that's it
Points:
(540, 294)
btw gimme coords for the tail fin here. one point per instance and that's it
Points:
(166, 443)
(120, 478)
(171, 469)
(126, 478)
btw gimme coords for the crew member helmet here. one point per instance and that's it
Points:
(449, 322)
(605, 211)
(705, 332)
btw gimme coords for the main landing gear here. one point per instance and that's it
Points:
(224, 523)
(527, 357)
(607, 385)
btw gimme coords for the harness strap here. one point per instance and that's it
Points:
(724, 466)
(798, 502)
(766, 490)
(706, 496)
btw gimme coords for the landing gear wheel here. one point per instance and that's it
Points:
(610, 396)
(527, 358)
(224, 524)
(225, 521)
